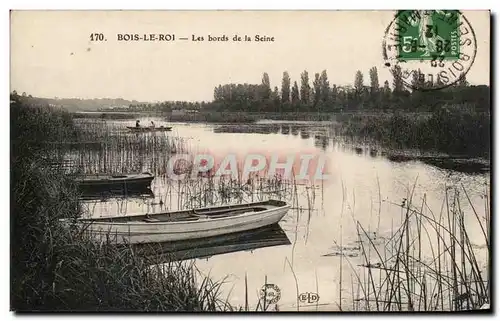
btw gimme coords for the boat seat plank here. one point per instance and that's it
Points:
(151, 220)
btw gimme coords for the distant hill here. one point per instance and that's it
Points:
(76, 104)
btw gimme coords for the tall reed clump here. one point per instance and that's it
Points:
(456, 130)
(432, 262)
(54, 268)
(104, 147)
(220, 190)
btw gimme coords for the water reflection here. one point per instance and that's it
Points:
(373, 152)
(321, 141)
(100, 195)
(269, 236)
(248, 129)
(447, 163)
(305, 134)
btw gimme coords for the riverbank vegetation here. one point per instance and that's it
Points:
(456, 130)
(433, 261)
(55, 269)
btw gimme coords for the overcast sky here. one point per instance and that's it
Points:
(52, 55)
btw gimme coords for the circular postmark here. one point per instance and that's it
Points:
(271, 293)
(429, 49)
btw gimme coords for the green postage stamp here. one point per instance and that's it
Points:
(427, 34)
(431, 49)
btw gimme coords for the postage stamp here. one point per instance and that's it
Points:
(430, 49)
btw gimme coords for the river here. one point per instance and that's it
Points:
(363, 186)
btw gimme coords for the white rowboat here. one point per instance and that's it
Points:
(186, 225)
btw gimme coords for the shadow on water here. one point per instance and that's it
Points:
(305, 130)
(206, 247)
(461, 164)
(458, 164)
(321, 141)
(305, 134)
(248, 129)
(104, 195)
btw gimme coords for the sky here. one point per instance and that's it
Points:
(52, 54)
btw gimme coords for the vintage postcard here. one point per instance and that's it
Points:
(250, 160)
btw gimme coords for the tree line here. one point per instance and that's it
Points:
(320, 96)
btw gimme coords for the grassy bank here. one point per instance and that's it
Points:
(245, 117)
(455, 130)
(52, 267)
(106, 115)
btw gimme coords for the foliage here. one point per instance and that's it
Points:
(453, 129)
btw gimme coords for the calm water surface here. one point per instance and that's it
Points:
(363, 187)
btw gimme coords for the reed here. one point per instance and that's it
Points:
(103, 148)
(453, 129)
(452, 275)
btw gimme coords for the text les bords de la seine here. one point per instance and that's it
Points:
(194, 38)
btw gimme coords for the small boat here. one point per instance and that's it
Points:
(187, 224)
(121, 182)
(149, 129)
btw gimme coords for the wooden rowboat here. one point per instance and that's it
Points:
(186, 225)
(149, 129)
(122, 182)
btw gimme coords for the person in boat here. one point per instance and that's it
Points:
(137, 125)
(152, 124)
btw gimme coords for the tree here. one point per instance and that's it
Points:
(317, 89)
(266, 86)
(275, 96)
(386, 93)
(397, 82)
(358, 83)
(439, 81)
(374, 84)
(305, 88)
(324, 88)
(374, 91)
(285, 88)
(418, 79)
(333, 96)
(462, 81)
(295, 93)
(218, 93)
